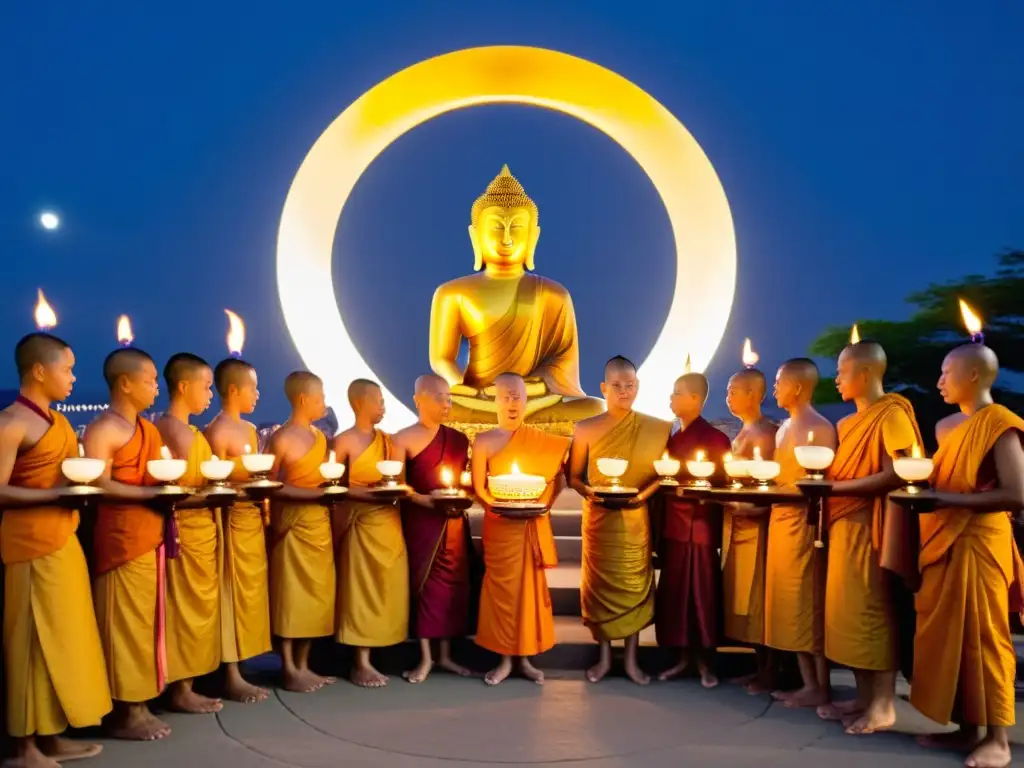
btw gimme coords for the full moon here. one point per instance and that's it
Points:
(49, 220)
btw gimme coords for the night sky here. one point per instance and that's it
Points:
(866, 148)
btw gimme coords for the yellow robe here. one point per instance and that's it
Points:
(858, 616)
(52, 653)
(193, 582)
(617, 590)
(744, 551)
(244, 587)
(964, 661)
(302, 581)
(794, 577)
(515, 604)
(373, 567)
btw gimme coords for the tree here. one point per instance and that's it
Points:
(916, 347)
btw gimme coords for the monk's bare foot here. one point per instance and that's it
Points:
(138, 724)
(805, 697)
(500, 672)
(599, 671)
(877, 717)
(837, 710)
(530, 672)
(673, 672)
(244, 692)
(745, 680)
(29, 757)
(708, 678)
(420, 672)
(456, 669)
(65, 750)
(188, 701)
(956, 741)
(634, 673)
(302, 681)
(990, 753)
(368, 677)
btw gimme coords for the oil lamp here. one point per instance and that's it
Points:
(668, 468)
(700, 469)
(814, 458)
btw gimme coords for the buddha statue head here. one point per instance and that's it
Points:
(503, 224)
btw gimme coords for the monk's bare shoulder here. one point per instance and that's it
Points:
(946, 425)
(176, 435)
(407, 436)
(12, 429)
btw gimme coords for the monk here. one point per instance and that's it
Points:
(794, 575)
(193, 577)
(964, 661)
(686, 607)
(129, 582)
(745, 531)
(302, 577)
(617, 591)
(245, 592)
(439, 547)
(516, 620)
(859, 617)
(373, 566)
(52, 651)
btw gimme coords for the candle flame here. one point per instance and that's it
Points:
(855, 334)
(664, 456)
(757, 453)
(466, 478)
(915, 452)
(81, 450)
(247, 449)
(727, 458)
(236, 333)
(971, 320)
(165, 452)
(45, 316)
(699, 456)
(515, 469)
(332, 457)
(124, 330)
(750, 357)
(688, 365)
(446, 477)
(810, 438)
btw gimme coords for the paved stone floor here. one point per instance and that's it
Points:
(450, 721)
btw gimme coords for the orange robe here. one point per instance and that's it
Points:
(302, 580)
(964, 661)
(515, 605)
(617, 589)
(859, 620)
(193, 582)
(52, 653)
(129, 583)
(794, 577)
(244, 586)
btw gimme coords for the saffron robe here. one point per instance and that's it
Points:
(193, 582)
(617, 589)
(686, 610)
(439, 547)
(964, 661)
(794, 593)
(244, 587)
(129, 585)
(302, 579)
(373, 568)
(859, 616)
(515, 604)
(52, 654)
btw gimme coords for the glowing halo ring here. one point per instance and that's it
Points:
(669, 155)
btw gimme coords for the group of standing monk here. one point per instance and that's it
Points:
(163, 612)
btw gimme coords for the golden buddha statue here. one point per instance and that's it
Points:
(514, 321)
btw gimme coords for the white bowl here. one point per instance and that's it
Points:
(166, 470)
(516, 487)
(613, 468)
(667, 467)
(913, 470)
(814, 457)
(331, 470)
(738, 468)
(389, 468)
(82, 471)
(764, 470)
(216, 469)
(701, 469)
(257, 463)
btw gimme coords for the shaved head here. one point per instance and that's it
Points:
(619, 364)
(183, 366)
(299, 383)
(693, 384)
(359, 389)
(978, 359)
(510, 382)
(510, 399)
(802, 369)
(37, 349)
(231, 372)
(124, 362)
(751, 380)
(429, 384)
(866, 354)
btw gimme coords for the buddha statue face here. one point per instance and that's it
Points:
(504, 229)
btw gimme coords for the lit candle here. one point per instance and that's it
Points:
(700, 468)
(332, 457)
(913, 468)
(736, 468)
(972, 322)
(666, 466)
(236, 334)
(750, 357)
(124, 331)
(854, 335)
(466, 478)
(516, 486)
(45, 317)
(446, 478)
(757, 453)
(814, 458)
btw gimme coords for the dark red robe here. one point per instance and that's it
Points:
(439, 546)
(687, 604)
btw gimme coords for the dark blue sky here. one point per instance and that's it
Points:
(866, 148)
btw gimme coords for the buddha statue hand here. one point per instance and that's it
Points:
(464, 390)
